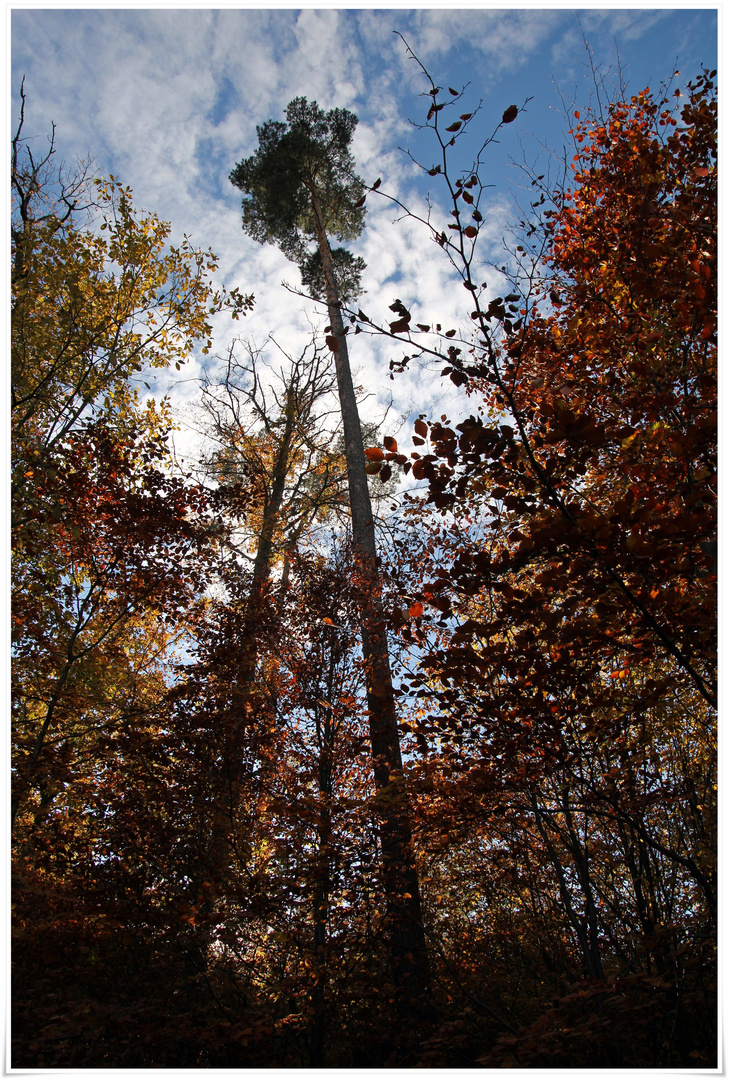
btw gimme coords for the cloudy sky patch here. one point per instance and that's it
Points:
(169, 100)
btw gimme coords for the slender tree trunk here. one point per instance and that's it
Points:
(273, 503)
(408, 946)
(321, 911)
(322, 882)
(242, 706)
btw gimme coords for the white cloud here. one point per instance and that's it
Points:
(506, 38)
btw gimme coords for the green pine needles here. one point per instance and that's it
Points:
(302, 167)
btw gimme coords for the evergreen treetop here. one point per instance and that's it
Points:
(302, 162)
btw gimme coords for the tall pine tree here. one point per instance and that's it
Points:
(300, 188)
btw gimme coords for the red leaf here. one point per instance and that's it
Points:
(454, 127)
(416, 610)
(333, 344)
(390, 444)
(373, 453)
(421, 428)
(470, 231)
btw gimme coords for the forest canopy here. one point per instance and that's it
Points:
(306, 778)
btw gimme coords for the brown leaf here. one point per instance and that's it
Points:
(373, 453)
(509, 114)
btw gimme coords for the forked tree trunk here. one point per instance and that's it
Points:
(407, 940)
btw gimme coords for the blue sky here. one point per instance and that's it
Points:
(168, 99)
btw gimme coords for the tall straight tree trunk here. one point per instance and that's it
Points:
(407, 938)
(227, 802)
(261, 574)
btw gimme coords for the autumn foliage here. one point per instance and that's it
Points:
(197, 867)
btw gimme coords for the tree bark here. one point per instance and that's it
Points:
(407, 939)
